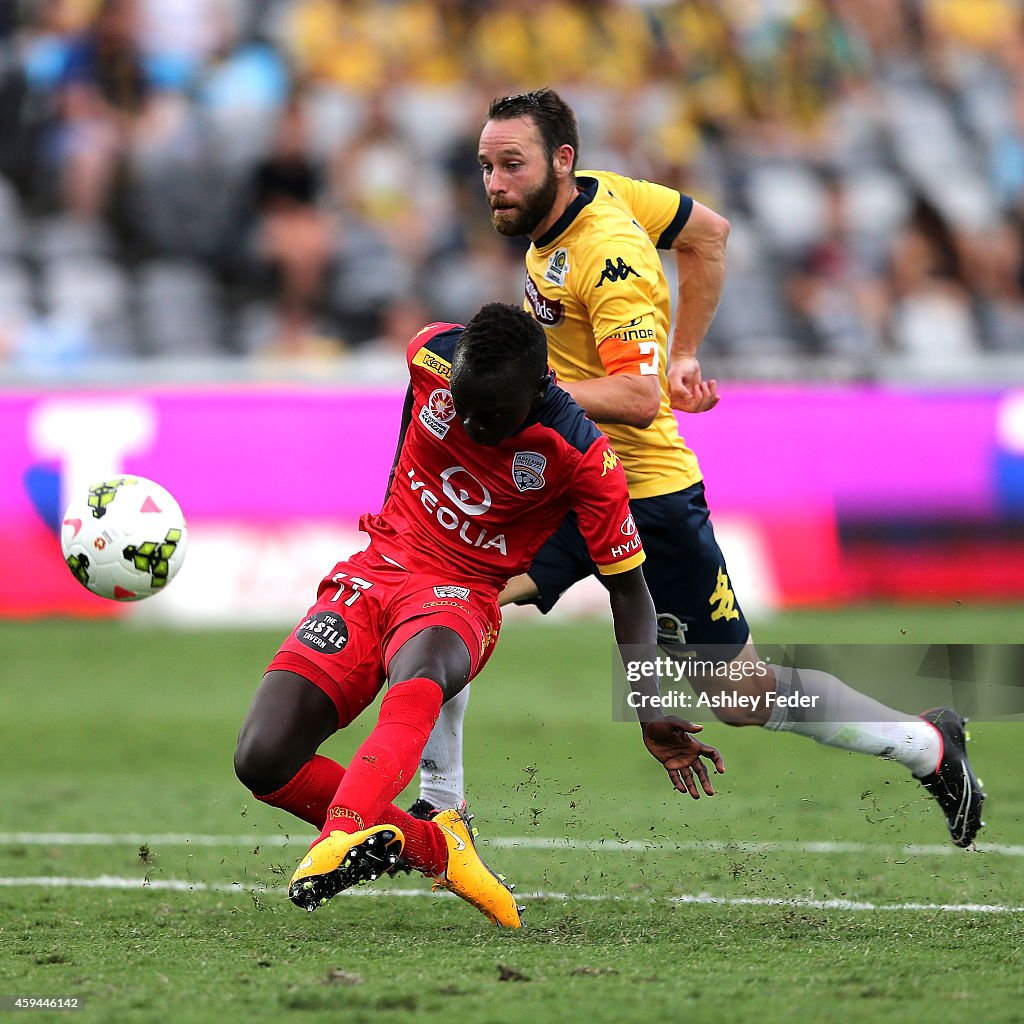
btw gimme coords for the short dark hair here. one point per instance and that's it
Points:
(553, 117)
(504, 341)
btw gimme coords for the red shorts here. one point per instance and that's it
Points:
(366, 609)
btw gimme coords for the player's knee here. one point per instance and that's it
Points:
(738, 717)
(260, 763)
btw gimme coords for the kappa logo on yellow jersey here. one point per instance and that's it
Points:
(617, 271)
(609, 460)
(724, 598)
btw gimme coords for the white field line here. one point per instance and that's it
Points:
(511, 842)
(704, 899)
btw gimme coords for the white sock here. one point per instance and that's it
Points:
(842, 717)
(441, 777)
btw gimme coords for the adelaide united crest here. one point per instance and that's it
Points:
(528, 470)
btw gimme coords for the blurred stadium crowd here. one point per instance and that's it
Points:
(297, 178)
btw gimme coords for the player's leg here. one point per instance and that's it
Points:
(561, 562)
(276, 759)
(432, 664)
(443, 847)
(276, 755)
(356, 843)
(697, 609)
(933, 745)
(442, 775)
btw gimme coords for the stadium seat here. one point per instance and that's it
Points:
(92, 291)
(787, 201)
(180, 310)
(11, 223)
(16, 293)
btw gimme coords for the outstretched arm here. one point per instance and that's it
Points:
(628, 398)
(669, 739)
(700, 262)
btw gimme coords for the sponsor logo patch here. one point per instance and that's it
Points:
(441, 405)
(469, 496)
(462, 593)
(528, 470)
(628, 527)
(635, 330)
(558, 267)
(547, 312)
(325, 632)
(433, 424)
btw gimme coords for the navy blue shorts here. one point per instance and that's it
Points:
(685, 571)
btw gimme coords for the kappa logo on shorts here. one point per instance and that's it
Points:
(446, 590)
(724, 598)
(325, 632)
(528, 470)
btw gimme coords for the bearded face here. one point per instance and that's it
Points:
(514, 217)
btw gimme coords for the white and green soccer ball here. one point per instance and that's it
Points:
(124, 538)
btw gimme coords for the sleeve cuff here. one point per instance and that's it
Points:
(623, 566)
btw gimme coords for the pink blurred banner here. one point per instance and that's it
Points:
(872, 453)
(791, 460)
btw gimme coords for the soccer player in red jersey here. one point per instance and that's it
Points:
(492, 455)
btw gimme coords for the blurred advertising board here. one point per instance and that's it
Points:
(818, 494)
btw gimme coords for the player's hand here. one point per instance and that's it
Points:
(671, 741)
(687, 390)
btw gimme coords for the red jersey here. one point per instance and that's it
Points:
(482, 512)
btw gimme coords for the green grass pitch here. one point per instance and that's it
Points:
(137, 875)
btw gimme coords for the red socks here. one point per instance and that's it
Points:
(327, 796)
(388, 758)
(310, 793)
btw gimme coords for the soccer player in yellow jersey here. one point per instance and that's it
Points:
(596, 284)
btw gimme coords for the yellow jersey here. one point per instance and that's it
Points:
(595, 283)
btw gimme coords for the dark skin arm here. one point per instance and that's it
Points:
(668, 738)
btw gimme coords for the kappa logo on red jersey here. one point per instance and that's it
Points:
(528, 470)
(609, 460)
(547, 312)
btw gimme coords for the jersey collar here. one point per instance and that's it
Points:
(588, 190)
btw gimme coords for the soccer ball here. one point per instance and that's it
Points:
(124, 539)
